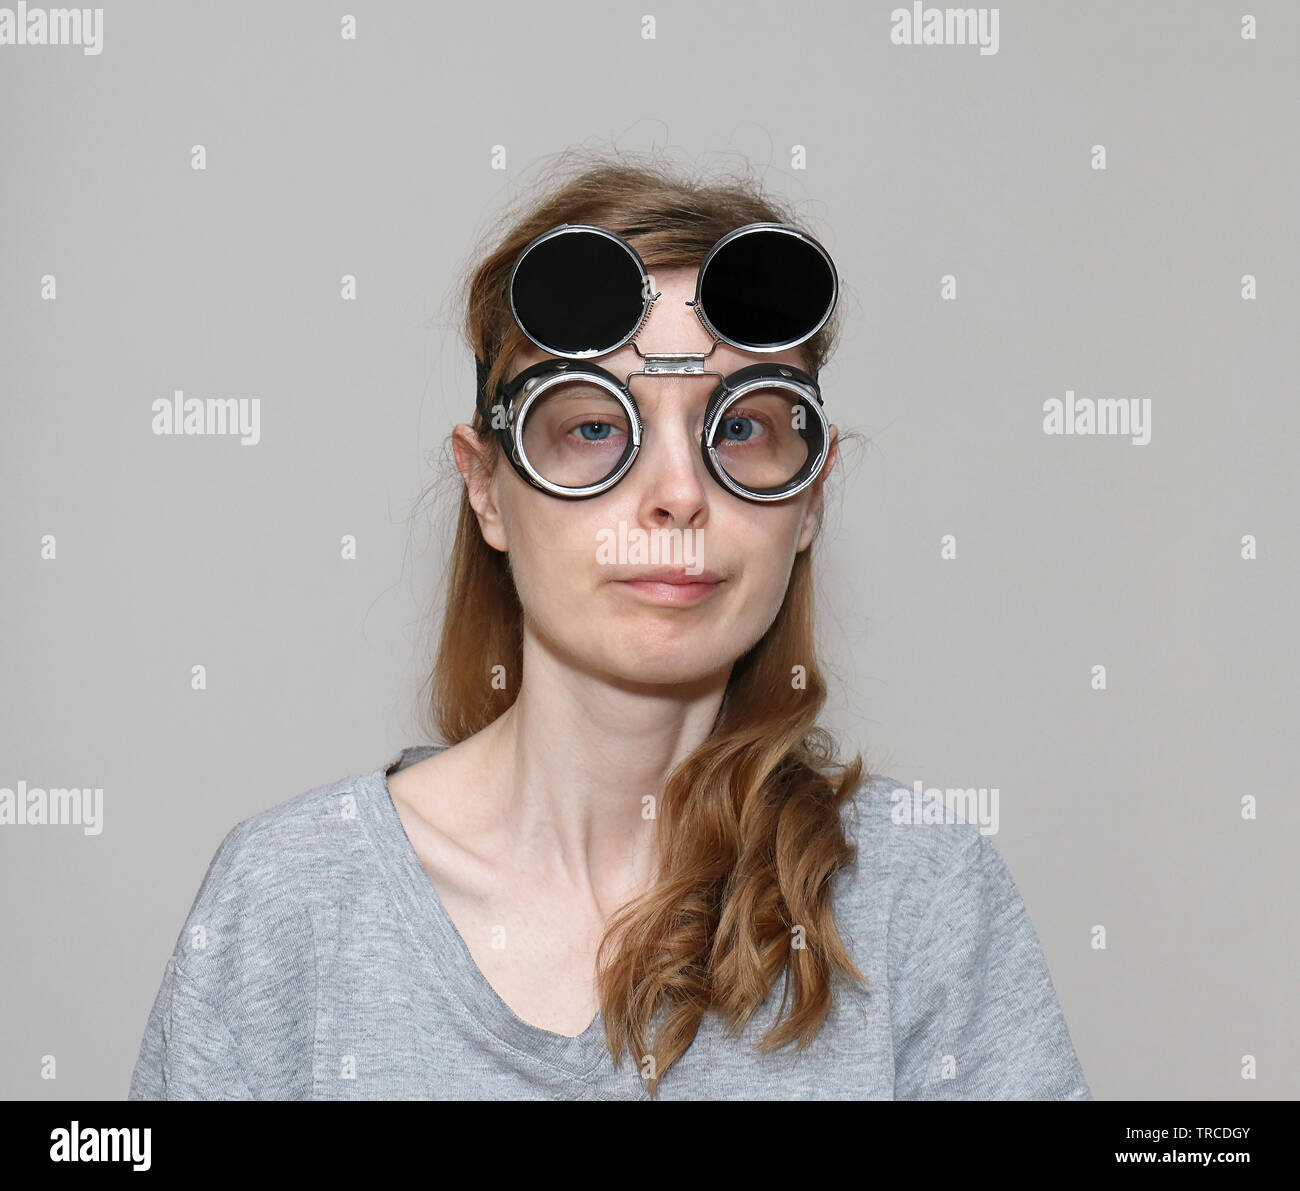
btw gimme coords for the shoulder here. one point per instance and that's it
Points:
(972, 1008)
(301, 828)
(915, 833)
(235, 1014)
(276, 851)
(924, 859)
(257, 908)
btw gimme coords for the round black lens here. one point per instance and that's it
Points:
(767, 289)
(578, 293)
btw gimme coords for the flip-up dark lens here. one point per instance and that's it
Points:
(578, 293)
(767, 289)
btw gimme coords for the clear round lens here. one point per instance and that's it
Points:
(576, 434)
(766, 439)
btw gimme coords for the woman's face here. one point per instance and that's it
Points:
(582, 585)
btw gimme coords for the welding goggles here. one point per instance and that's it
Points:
(572, 429)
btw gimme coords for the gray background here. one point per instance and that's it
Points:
(328, 157)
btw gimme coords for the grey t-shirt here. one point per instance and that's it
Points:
(318, 963)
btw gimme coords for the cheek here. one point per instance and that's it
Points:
(551, 554)
(765, 545)
(769, 538)
(767, 592)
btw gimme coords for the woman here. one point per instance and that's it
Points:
(638, 830)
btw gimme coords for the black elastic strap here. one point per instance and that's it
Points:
(480, 393)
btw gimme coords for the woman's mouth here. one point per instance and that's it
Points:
(674, 587)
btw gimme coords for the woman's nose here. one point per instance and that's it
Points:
(669, 471)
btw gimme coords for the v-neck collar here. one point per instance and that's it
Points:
(442, 944)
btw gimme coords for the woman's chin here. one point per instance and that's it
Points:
(649, 668)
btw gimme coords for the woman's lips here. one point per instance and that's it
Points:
(677, 588)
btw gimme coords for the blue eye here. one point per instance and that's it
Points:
(604, 429)
(738, 429)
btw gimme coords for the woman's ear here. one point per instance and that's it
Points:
(476, 464)
(813, 514)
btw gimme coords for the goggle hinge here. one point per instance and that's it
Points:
(674, 364)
